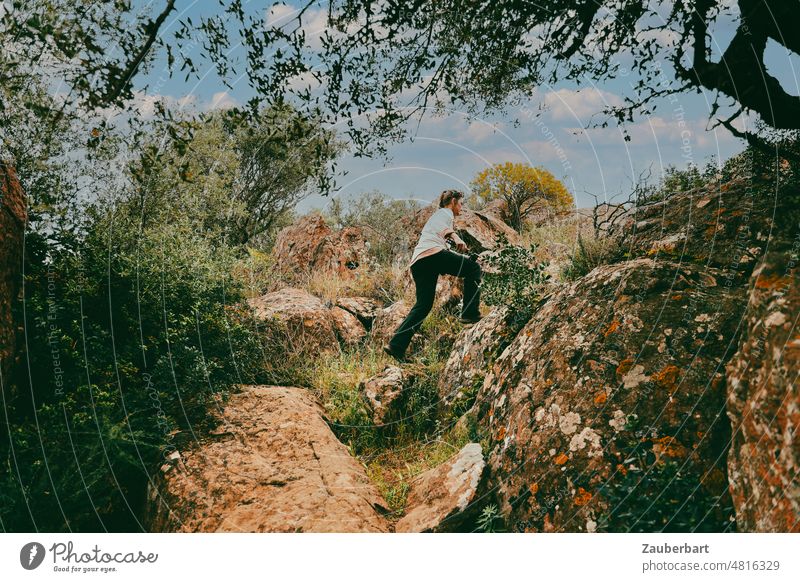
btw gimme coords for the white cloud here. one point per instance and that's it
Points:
(303, 81)
(280, 15)
(579, 104)
(222, 100)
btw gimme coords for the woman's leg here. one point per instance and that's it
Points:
(425, 277)
(459, 265)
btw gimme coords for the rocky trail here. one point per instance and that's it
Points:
(669, 373)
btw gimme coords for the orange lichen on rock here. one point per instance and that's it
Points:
(561, 459)
(612, 328)
(600, 397)
(534, 488)
(501, 434)
(772, 281)
(668, 447)
(624, 366)
(667, 377)
(582, 497)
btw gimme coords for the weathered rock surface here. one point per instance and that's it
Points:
(496, 209)
(13, 217)
(726, 227)
(473, 351)
(480, 230)
(449, 293)
(308, 319)
(388, 319)
(627, 358)
(310, 244)
(349, 329)
(384, 394)
(273, 465)
(764, 400)
(364, 308)
(442, 498)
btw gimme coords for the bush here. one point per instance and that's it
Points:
(132, 341)
(490, 520)
(383, 220)
(512, 277)
(591, 254)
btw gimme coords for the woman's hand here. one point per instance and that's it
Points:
(461, 246)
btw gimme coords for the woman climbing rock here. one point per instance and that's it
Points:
(431, 258)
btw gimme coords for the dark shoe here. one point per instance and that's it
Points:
(399, 357)
(470, 320)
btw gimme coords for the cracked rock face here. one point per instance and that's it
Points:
(383, 394)
(764, 400)
(349, 329)
(389, 319)
(310, 244)
(272, 465)
(473, 351)
(309, 321)
(629, 355)
(440, 499)
(364, 308)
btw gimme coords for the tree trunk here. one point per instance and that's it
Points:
(13, 217)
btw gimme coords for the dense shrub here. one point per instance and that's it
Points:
(514, 278)
(132, 340)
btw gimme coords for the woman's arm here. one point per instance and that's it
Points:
(461, 246)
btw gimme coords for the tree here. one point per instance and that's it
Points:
(91, 55)
(524, 189)
(232, 180)
(277, 158)
(391, 60)
(383, 220)
(96, 48)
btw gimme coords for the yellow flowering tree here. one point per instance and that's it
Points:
(524, 189)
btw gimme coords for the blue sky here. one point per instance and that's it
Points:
(448, 151)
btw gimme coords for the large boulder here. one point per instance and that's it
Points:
(389, 319)
(13, 217)
(310, 244)
(721, 225)
(273, 465)
(618, 375)
(349, 329)
(480, 231)
(364, 308)
(444, 499)
(764, 399)
(473, 352)
(308, 320)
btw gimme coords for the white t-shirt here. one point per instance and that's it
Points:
(432, 238)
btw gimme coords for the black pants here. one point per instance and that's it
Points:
(425, 273)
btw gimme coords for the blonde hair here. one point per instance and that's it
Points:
(448, 196)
